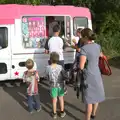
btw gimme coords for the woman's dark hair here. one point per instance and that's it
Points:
(54, 57)
(56, 28)
(88, 33)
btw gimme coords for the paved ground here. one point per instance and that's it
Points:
(13, 102)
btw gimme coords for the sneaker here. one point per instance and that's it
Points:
(38, 110)
(93, 117)
(54, 115)
(31, 112)
(62, 114)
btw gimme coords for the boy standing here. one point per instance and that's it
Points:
(55, 44)
(31, 78)
(56, 76)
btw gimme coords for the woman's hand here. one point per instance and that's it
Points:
(101, 54)
(46, 51)
(78, 49)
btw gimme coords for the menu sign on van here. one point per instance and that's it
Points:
(33, 29)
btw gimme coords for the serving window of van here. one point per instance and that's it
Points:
(79, 22)
(37, 29)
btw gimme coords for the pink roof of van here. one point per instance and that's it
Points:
(8, 13)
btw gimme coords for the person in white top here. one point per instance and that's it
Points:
(55, 44)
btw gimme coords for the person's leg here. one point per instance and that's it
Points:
(61, 99)
(54, 94)
(54, 102)
(37, 102)
(88, 111)
(61, 103)
(94, 110)
(30, 103)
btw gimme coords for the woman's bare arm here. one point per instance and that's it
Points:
(82, 62)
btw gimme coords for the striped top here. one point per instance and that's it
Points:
(31, 80)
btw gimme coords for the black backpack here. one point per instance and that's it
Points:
(80, 84)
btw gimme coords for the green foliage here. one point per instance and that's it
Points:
(85, 3)
(110, 23)
(109, 33)
(110, 44)
(33, 2)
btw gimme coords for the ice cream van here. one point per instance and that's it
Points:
(23, 33)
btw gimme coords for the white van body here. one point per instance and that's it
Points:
(13, 52)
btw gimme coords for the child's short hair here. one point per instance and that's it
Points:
(29, 64)
(54, 57)
(56, 28)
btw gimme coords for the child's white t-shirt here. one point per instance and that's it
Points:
(55, 44)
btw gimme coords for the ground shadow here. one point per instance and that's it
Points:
(69, 113)
(115, 62)
(18, 93)
(74, 107)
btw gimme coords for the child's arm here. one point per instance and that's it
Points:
(64, 75)
(37, 76)
(24, 77)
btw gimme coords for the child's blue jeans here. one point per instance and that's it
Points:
(33, 102)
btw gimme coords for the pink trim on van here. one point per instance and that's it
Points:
(15, 11)
(6, 21)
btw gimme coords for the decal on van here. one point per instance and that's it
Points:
(16, 73)
(33, 30)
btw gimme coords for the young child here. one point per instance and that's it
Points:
(55, 44)
(56, 76)
(31, 78)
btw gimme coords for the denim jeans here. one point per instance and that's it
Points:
(33, 102)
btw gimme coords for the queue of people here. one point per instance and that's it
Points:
(87, 54)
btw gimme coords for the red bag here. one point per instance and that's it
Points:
(104, 66)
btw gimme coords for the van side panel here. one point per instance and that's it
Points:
(5, 52)
(15, 55)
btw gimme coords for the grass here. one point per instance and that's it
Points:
(111, 48)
